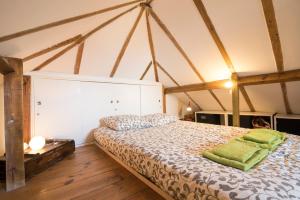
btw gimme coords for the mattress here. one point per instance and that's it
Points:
(170, 157)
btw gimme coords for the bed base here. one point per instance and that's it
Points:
(136, 174)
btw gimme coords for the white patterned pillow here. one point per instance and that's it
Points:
(122, 122)
(157, 119)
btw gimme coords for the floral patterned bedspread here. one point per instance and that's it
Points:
(170, 156)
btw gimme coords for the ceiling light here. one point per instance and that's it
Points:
(228, 84)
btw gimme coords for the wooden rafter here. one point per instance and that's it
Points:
(182, 52)
(64, 21)
(277, 77)
(52, 48)
(270, 17)
(247, 98)
(151, 45)
(176, 83)
(78, 58)
(146, 70)
(126, 42)
(211, 28)
(83, 38)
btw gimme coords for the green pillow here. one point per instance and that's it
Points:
(261, 136)
(236, 150)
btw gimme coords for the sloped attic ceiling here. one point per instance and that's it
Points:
(240, 25)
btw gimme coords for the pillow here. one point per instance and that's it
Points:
(122, 122)
(157, 119)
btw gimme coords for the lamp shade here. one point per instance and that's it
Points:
(37, 142)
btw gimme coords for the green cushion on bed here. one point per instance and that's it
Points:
(265, 136)
(255, 159)
(236, 150)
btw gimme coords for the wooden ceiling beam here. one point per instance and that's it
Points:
(176, 83)
(78, 58)
(182, 52)
(270, 18)
(64, 21)
(52, 48)
(277, 77)
(83, 38)
(126, 42)
(5, 68)
(151, 45)
(146, 70)
(211, 28)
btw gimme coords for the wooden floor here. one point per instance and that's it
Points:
(87, 174)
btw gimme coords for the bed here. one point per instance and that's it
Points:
(170, 157)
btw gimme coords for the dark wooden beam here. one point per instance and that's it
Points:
(247, 98)
(52, 48)
(277, 77)
(64, 21)
(176, 83)
(235, 101)
(78, 58)
(197, 87)
(270, 17)
(126, 42)
(80, 40)
(211, 28)
(151, 45)
(182, 52)
(146, 70)
(13, 115)
(4, 66)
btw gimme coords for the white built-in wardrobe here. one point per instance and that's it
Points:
(70, 106)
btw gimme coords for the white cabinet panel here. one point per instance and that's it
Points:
(56, 104)
(96, 103)
(151, 99)
(126, 99)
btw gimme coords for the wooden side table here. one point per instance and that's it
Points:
(36, 162)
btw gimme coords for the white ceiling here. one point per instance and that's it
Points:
(240, 24)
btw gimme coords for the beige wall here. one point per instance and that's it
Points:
(1, 116)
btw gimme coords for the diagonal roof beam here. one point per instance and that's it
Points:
(176, 83)
(126, 42)
(180, 49)
(83, 38)
(64, 21)
(151, 45)
(52, 48)
(270, 17)
(78, 58)
(146, 70)
(203, 12)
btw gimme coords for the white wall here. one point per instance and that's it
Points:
(174, 106)
(2, 144)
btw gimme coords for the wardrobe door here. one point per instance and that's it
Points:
(56, 109)
(151, 99)
(126, 99)
(97, 102)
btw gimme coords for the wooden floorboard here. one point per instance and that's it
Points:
(87, 174)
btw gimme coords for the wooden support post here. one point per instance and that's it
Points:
(235, 101)
(26, 108)
(164, 100)
(13, 114)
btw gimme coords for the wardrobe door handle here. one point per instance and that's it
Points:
(111, 101)
(118, 101)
